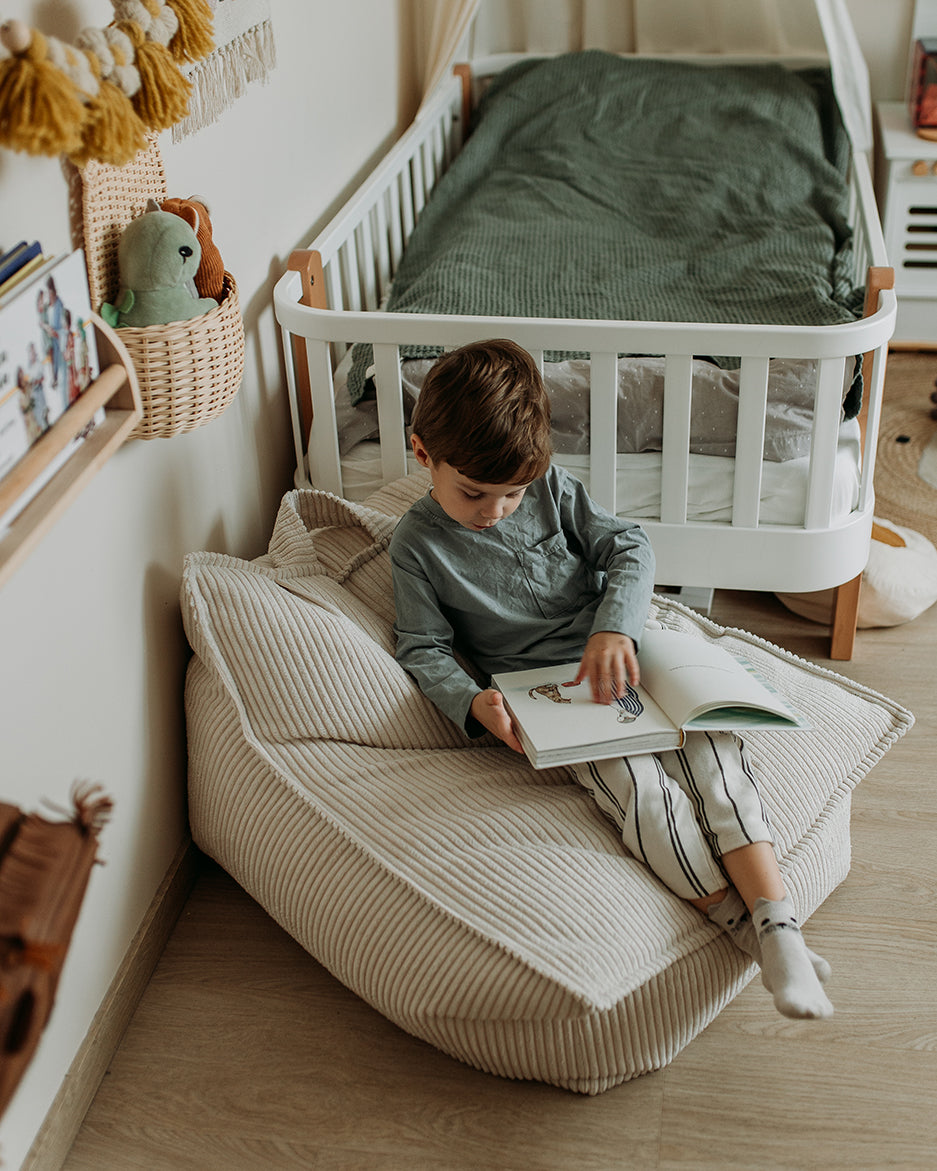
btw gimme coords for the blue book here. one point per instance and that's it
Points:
(13, 260)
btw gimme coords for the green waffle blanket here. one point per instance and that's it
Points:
(600, 187)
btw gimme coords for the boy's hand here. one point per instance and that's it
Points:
(609, 661)
(488, 708)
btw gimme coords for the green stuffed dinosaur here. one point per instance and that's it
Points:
(158, 256)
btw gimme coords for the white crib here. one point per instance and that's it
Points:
(331, 296)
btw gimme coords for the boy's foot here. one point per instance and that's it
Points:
(733, 917)
(787, 970)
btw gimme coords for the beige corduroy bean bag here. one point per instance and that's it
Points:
(481, 905)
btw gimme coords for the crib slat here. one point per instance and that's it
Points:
(407, 215)
(384, 266)
(366, 265)
(750, 441)
(299, 437)
(390, 411)
(348, 259)
(325, 470)
(675, 449)
(419, 187)
(873, 396)
(603, 428)
(826, 417)
(395, 223)
(333, 284)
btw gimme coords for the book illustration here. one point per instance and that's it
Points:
(551, 691)
(48, 354)
(629, 705)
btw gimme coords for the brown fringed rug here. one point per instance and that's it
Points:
(901, 494)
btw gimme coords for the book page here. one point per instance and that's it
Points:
(689, 677)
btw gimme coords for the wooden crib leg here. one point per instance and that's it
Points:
(845, 617)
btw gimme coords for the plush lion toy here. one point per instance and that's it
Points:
(209, 280)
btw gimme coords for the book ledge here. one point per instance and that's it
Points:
(116, 390)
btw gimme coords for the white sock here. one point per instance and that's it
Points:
(733, 917)
(786, 968)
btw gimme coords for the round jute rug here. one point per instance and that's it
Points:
(906, 431)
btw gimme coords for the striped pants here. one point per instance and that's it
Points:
(679, 812)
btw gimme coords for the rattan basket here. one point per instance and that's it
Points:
(188, 371)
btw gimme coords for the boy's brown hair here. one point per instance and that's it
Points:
(483, 410)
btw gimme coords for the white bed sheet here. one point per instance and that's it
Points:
(711, 479)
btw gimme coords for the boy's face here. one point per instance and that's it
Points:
(473, 505)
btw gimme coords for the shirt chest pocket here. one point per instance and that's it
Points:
(557, 577)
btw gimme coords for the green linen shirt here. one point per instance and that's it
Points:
(527, 592)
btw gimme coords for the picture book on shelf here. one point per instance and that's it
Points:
(16, 259)
(48, 352)
(687, 684)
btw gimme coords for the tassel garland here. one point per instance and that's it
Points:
(193, 39)
(98, 98)
(163, 96)
(40, 111)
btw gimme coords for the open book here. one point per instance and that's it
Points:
(687, 684)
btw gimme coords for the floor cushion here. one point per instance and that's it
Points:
(483, 906)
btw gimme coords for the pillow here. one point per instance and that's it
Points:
(483, 906)
(788, 422)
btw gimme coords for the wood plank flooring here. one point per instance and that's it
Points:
(245, 1055)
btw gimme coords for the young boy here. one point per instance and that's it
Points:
(508, 561)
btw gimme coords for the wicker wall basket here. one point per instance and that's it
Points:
(188, 371)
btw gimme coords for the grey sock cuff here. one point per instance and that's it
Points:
(730, 913)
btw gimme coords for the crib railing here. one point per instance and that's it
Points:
(333, 300)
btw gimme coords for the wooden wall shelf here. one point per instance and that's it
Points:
(115, 390)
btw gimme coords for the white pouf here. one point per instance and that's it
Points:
(898, 584)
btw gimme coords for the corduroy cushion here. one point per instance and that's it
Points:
(481, 905)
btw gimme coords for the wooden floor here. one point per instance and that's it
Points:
(245, 1055)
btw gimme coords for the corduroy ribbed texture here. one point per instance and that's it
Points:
(483, 906)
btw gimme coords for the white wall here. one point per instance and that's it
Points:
(92, 653)
(92, 660)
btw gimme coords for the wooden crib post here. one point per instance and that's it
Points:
(463, 72)
(846, 598)
(309, 265)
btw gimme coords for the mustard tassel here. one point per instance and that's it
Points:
(163, 97)
(113, 132)
(40, 112)
(194, 37)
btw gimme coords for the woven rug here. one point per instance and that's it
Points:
(907, 443)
